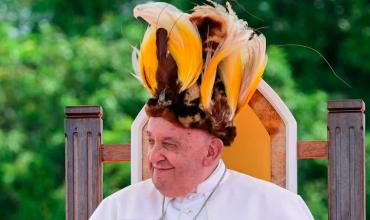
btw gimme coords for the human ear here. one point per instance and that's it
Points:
(214, 151)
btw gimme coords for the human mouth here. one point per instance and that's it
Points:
(162, 168)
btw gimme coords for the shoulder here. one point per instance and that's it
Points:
(134, 191)
(253, 184)
(145, 187)
(270, 197)
(125, 199)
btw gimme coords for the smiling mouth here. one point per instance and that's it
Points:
(162, 168)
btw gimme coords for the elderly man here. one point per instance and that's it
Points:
(190, 181)
(201, 69)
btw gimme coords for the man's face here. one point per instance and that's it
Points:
(176, 157)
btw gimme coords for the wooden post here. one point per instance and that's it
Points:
(83, 167)
(346, 134)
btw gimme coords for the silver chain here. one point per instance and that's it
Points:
(204, 203)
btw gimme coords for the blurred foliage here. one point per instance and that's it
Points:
(55, 53)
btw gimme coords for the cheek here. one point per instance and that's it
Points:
(164, 158)
(189, 165)
(173, 159)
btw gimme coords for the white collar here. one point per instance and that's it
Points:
(204, 187)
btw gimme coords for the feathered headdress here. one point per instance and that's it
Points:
(200, 68)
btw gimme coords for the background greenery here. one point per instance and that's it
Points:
(55, 53)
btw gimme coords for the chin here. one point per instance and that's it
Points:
(170, 188)
(161, 183)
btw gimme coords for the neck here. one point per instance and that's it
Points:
(209, 188)
(211, 170)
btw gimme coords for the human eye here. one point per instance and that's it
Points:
(151, 141)
(170, 146)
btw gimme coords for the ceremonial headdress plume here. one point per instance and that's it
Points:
(200, 68)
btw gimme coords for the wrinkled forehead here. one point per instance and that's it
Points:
(160, 127)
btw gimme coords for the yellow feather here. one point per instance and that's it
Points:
(184, 43)
(186, 47)
(253, 86)
(236, 36)
(208, 79)
(256, 59)
(231, 70)
(148, 60)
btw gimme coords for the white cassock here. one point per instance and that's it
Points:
(238, 196)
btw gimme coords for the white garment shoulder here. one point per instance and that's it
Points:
(262, 199)
(124, 203)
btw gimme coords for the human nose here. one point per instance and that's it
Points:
(155, 154)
